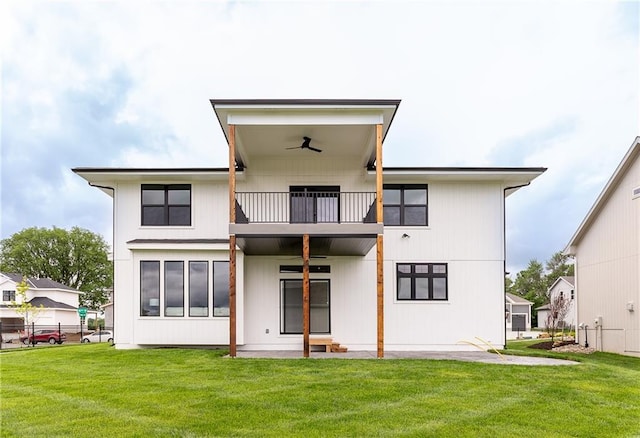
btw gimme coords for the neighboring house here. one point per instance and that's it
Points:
(305, 235)
(59, 302)
(108, 311)
(606, 247)
(563, 287)
(517, 313)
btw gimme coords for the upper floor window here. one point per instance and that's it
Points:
(572, 294)
(166, 204)
(422, 281)
(405, 204)
(8, 295)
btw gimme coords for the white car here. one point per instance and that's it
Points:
(102, 336)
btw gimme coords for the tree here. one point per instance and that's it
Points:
(77, 258)
(530, 284)
(557, 267)
(534, 282)
(558, 310)
(24, 308)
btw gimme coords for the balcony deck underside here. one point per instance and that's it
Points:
(328, 239)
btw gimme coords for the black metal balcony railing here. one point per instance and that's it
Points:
(305, 207)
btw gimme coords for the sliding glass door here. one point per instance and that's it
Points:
(315, 204)
(291, 306)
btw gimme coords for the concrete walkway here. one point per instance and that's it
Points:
(465, 356)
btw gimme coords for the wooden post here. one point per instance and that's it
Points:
(305, 294)
(232, 295)
(379, 243)
(232, 241)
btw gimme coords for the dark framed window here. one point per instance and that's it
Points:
(173, 288)
(405, 204)
(422, 281)
(198, 288)
(8, 295)
(166, 204)
(315, 204)
(291, 306)
(149, 288)
(221, 288)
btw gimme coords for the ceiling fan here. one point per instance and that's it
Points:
(306, 145)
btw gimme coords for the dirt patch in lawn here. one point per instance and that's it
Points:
(562, 346)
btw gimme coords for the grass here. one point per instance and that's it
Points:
(95, 390)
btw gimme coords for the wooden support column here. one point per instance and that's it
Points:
(232, 241)
(379, 243)
(305, 295)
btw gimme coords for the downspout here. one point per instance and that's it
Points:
(113, 234)
(504, 252)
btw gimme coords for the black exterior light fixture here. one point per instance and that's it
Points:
(584, 327)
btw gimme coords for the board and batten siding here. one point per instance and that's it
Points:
(352, 302)
(313, 170)
(607, 272)
(209, 221)
(465, 231)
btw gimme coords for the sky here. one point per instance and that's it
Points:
(482, 83)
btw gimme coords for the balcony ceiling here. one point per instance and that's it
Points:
(340, 128)
(340, 141)
(318, 246)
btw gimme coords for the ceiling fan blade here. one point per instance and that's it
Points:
(311, 148)
(295, 147)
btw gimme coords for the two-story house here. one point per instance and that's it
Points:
(56, 303)
(305, 234)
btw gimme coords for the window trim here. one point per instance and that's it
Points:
(166, 206)
(159, 291)
(430, 275)
(166, 296)
(402, 205)
(11, 293)
(207, 288)
(218, 263)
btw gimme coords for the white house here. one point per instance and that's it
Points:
(606, 247)
(564, 288)
(305, 235)
(517, 313)
(59, 303)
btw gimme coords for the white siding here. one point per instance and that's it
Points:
(465, 231)
(607, 270)
(278, 175)
(210, 215)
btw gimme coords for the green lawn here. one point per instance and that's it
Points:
(98, 391)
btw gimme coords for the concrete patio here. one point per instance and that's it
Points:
(465, 356)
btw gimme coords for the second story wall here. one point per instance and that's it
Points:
(465, 222)
(209, 214)
(278, 175)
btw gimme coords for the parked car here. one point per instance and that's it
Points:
(50, 336)
(101, 336)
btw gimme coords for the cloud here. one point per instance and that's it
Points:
(482, 83)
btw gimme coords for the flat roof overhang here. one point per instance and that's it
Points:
(342, 129)
(324, 239)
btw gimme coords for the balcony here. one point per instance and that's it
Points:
(305, 207)
(338, 223)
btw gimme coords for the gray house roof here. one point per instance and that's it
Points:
(39, 283)
(48, 303)
(515, 299)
